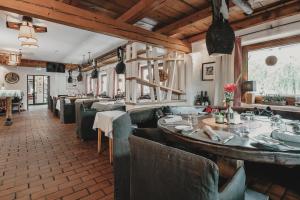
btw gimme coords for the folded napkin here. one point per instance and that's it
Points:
(285, 136)
(173, 119)
(211, 133)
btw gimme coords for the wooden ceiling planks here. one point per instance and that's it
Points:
(183, 19)
(62, 13)
(140, 10)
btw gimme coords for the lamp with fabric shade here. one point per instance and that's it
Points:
(249, 87)
(27, 32)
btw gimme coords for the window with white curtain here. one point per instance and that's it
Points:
(119, 83)
(103, 83)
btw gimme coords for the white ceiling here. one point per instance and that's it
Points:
(60, 44)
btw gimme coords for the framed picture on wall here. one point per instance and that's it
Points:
(208, 71)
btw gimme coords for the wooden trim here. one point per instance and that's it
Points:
(140, 10)
(62, 13)
(273, 43)
(263, 15)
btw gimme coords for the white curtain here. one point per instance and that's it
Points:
(224, 74)
(110, 81)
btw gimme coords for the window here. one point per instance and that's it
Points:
(103, 84)
(120, 83)
(281, 78)
(145, 75)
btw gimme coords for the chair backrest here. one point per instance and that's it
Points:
(122, 129)
(161, 172)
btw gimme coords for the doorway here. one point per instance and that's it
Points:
(38, 89)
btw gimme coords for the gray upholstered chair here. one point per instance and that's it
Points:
(161, 172)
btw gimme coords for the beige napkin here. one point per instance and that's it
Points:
(211, 133)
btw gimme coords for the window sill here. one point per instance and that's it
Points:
(273, 107)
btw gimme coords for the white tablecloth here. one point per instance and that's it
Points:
(58, 104)
(10, 93)
(104, 120)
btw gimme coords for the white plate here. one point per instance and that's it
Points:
(183, 128)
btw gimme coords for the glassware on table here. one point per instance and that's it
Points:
(190, 121)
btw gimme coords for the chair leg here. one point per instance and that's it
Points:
(99, 140)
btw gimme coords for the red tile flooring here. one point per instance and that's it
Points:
(40, 158)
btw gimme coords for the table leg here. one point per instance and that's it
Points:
(99, 140)
(8, 121)
(111, 150)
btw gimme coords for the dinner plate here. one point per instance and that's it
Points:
(183, 128)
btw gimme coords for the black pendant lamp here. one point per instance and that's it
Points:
(220, 36)
(94, 73)
(70, 78)
(79, 77)
(120, 68)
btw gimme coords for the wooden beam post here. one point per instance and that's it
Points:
(62, 13)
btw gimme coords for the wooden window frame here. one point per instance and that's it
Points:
(264, 45)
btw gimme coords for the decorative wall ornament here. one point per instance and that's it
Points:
(163, 75)
(271, 60)
(12, 78)
(208, 71)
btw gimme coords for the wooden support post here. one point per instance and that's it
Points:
(128, 73)
(171, 78)
(150, 72)
(156, 74)
(134, 70)
(181, 76)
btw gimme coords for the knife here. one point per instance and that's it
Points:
(228, 139)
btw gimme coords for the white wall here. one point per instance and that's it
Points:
(200, 56)
(58, 81)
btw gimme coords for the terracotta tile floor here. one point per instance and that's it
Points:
(40, 158)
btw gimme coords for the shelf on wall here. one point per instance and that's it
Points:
(154, 59)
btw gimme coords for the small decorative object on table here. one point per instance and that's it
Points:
(228, 99)
(219, 117)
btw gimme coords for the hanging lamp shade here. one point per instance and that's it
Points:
(27, 32)
(79, 77)
(94, 73)
(120, 67)
(70, 78)
(220, 36)
(14, 59)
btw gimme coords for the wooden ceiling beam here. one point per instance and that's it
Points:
(263, 16)
(30, 63)
(62, 13)
(140, 10)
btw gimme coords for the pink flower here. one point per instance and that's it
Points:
(230, 87)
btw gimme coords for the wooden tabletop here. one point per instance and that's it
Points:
(240, 147)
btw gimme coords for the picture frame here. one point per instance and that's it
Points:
(208, 71)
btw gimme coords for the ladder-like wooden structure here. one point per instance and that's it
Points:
(173, 63)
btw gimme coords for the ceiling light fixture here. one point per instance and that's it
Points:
(27, 32)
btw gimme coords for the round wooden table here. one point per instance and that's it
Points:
(239, 147)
